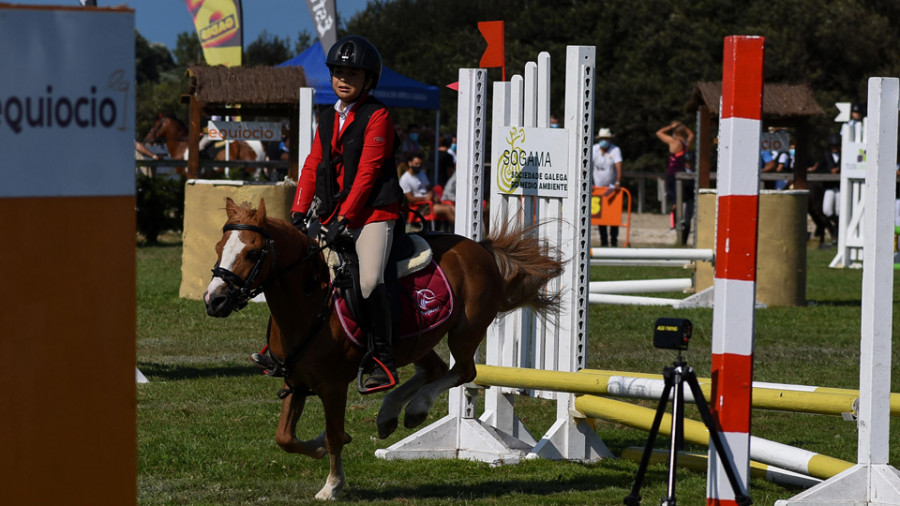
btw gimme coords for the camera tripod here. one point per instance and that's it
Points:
(674, 378)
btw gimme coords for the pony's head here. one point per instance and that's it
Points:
(166, 126)
(245, 256)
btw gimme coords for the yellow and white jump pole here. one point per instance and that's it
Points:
(773, 396)
(699, 463)
(762, 450)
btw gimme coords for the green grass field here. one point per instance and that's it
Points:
(207, 419)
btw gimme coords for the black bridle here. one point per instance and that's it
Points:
(240, 290)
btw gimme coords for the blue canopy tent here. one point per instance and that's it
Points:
(394, 89)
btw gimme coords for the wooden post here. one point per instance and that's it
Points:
(705, 137)
(194, 130)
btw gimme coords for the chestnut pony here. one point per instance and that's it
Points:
(174, 133)
(506, 271)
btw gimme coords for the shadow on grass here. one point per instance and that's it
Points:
(835, 303)
(619, 479)
(143, 244)
(166, 372)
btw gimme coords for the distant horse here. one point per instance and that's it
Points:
(259, 253)
(174, 133)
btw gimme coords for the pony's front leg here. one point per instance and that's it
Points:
(334, 400)
(286, 437)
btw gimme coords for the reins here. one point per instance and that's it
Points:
(240, 289)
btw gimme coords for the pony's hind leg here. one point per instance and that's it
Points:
(428, 368)
(463, 371)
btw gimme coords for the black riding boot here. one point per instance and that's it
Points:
(378, 315)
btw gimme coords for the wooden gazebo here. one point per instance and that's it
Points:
(784, 105)
(270, 92)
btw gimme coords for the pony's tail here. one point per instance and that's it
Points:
(526, 264)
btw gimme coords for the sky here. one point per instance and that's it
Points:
(163, 20)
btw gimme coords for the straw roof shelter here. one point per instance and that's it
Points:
(784, 105)
(271, 92)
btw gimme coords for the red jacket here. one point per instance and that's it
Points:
(378, 147)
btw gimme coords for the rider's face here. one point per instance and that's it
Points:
(348, 83)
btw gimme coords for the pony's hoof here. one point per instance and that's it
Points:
(387, 428)
(324, 495)
(412, 420)
(330, 491)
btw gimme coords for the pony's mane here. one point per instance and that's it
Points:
(243, 212)
(176, 120)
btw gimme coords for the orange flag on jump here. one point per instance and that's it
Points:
(495, 53)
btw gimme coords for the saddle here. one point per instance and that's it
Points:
(411, 276)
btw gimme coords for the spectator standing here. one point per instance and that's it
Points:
(784, 163)
(823, 194)
(678, 139)
(606, 160)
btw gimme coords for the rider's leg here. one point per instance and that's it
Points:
(373, 246)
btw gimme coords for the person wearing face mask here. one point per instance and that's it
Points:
(417, 190)
(411, 142)
(606, 160)
(351, 174)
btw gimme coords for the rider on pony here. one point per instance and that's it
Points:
(351, 173)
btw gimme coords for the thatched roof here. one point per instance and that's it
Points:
(780, 101)
(246, 85)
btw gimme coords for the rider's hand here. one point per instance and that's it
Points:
(299, 221)
(336, 229)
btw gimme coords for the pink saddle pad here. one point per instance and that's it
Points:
(425, 302)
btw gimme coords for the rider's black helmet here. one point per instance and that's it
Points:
(355, 51)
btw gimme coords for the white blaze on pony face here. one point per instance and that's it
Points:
(233, 247)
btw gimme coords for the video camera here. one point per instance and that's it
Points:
(672, 333)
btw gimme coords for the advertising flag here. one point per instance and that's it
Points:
(495, 53)
(220, 29)
(323, 14)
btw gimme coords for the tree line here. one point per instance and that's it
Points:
(650, 54)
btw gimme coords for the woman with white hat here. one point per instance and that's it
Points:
(607, 172)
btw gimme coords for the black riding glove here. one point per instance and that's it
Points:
(298, 220)
(335, 231)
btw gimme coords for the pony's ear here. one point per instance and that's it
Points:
(230, 207)
(261, 211)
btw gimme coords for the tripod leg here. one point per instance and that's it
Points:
(634, 498)
(740, 496)
(676, 436)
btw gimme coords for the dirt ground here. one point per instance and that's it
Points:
(647, 230)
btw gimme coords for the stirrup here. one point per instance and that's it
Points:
(267, 365)
(369, 363)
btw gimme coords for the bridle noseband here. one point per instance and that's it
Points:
(240, 290)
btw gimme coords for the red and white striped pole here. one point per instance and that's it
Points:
(735, 279)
